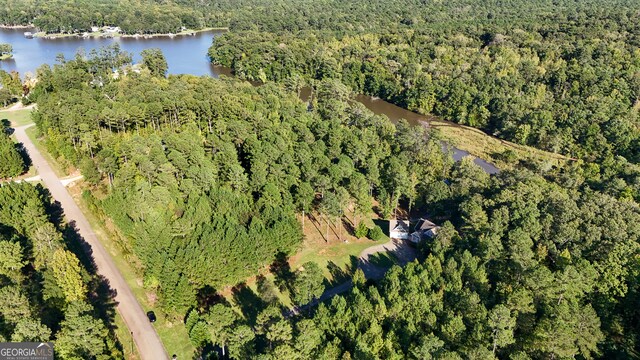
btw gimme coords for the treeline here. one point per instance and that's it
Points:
(46, 292)
(527, 269)
(133, 17)
(537, 73)
(204, 177)
(10, 87)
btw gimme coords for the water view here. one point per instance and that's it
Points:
(185, 54)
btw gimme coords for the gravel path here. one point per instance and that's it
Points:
(147, 340)
(400, 249)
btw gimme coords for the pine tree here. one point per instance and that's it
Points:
(11, 163)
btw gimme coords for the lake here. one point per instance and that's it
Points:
(184, 54)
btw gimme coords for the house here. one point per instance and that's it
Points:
(399, 229)
(111, 29)
(424, 229)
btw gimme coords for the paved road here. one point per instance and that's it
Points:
(147, 340)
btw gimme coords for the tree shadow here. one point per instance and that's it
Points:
(384, 225)
(338, 275)
(267, 290)
(282, 271)
(353, 262)
(207, 297)
(53, 208)
(5, 125)
(378, 211)
(101, 295)
(316, 224)
(248, 301)
(26, 159)
(383, 259)
(348, 226)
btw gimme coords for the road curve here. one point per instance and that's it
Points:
(144, 335)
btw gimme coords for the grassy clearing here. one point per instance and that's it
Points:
(483, 146)
(17, 117)
(336, 256)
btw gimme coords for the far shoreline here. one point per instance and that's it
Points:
(86, 35)
(4, 26)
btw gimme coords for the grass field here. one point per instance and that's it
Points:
(18, 117)
(486, 147)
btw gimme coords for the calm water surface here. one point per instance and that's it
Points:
(185, 55)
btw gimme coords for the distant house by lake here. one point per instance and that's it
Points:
(111, 29)
(399, 229)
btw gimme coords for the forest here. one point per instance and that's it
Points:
(133, 17)
(205, 179)
(561, 76)
(49, 290)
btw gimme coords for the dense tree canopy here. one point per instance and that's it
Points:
(204, 176)
(537, 73)
(11, 162)
(46, 293)
(525, 270)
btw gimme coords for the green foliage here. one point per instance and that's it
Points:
(375, 233)
(43, 286)
(11, 259)
(155, 61)
(206, 176)
(30, 330)
(80, 15)
(81, 336)
(361, 230)
(542, 74)
(11, 86)
(90, 171)
(66, 270)
(6, 49)
(308, 283)
(11, 163)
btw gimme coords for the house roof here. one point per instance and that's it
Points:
(424, 225)
(399, 225)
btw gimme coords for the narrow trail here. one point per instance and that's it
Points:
(18, 106)
(144, 334)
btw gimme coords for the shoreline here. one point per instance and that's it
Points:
(3, 26)
(54, 36)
